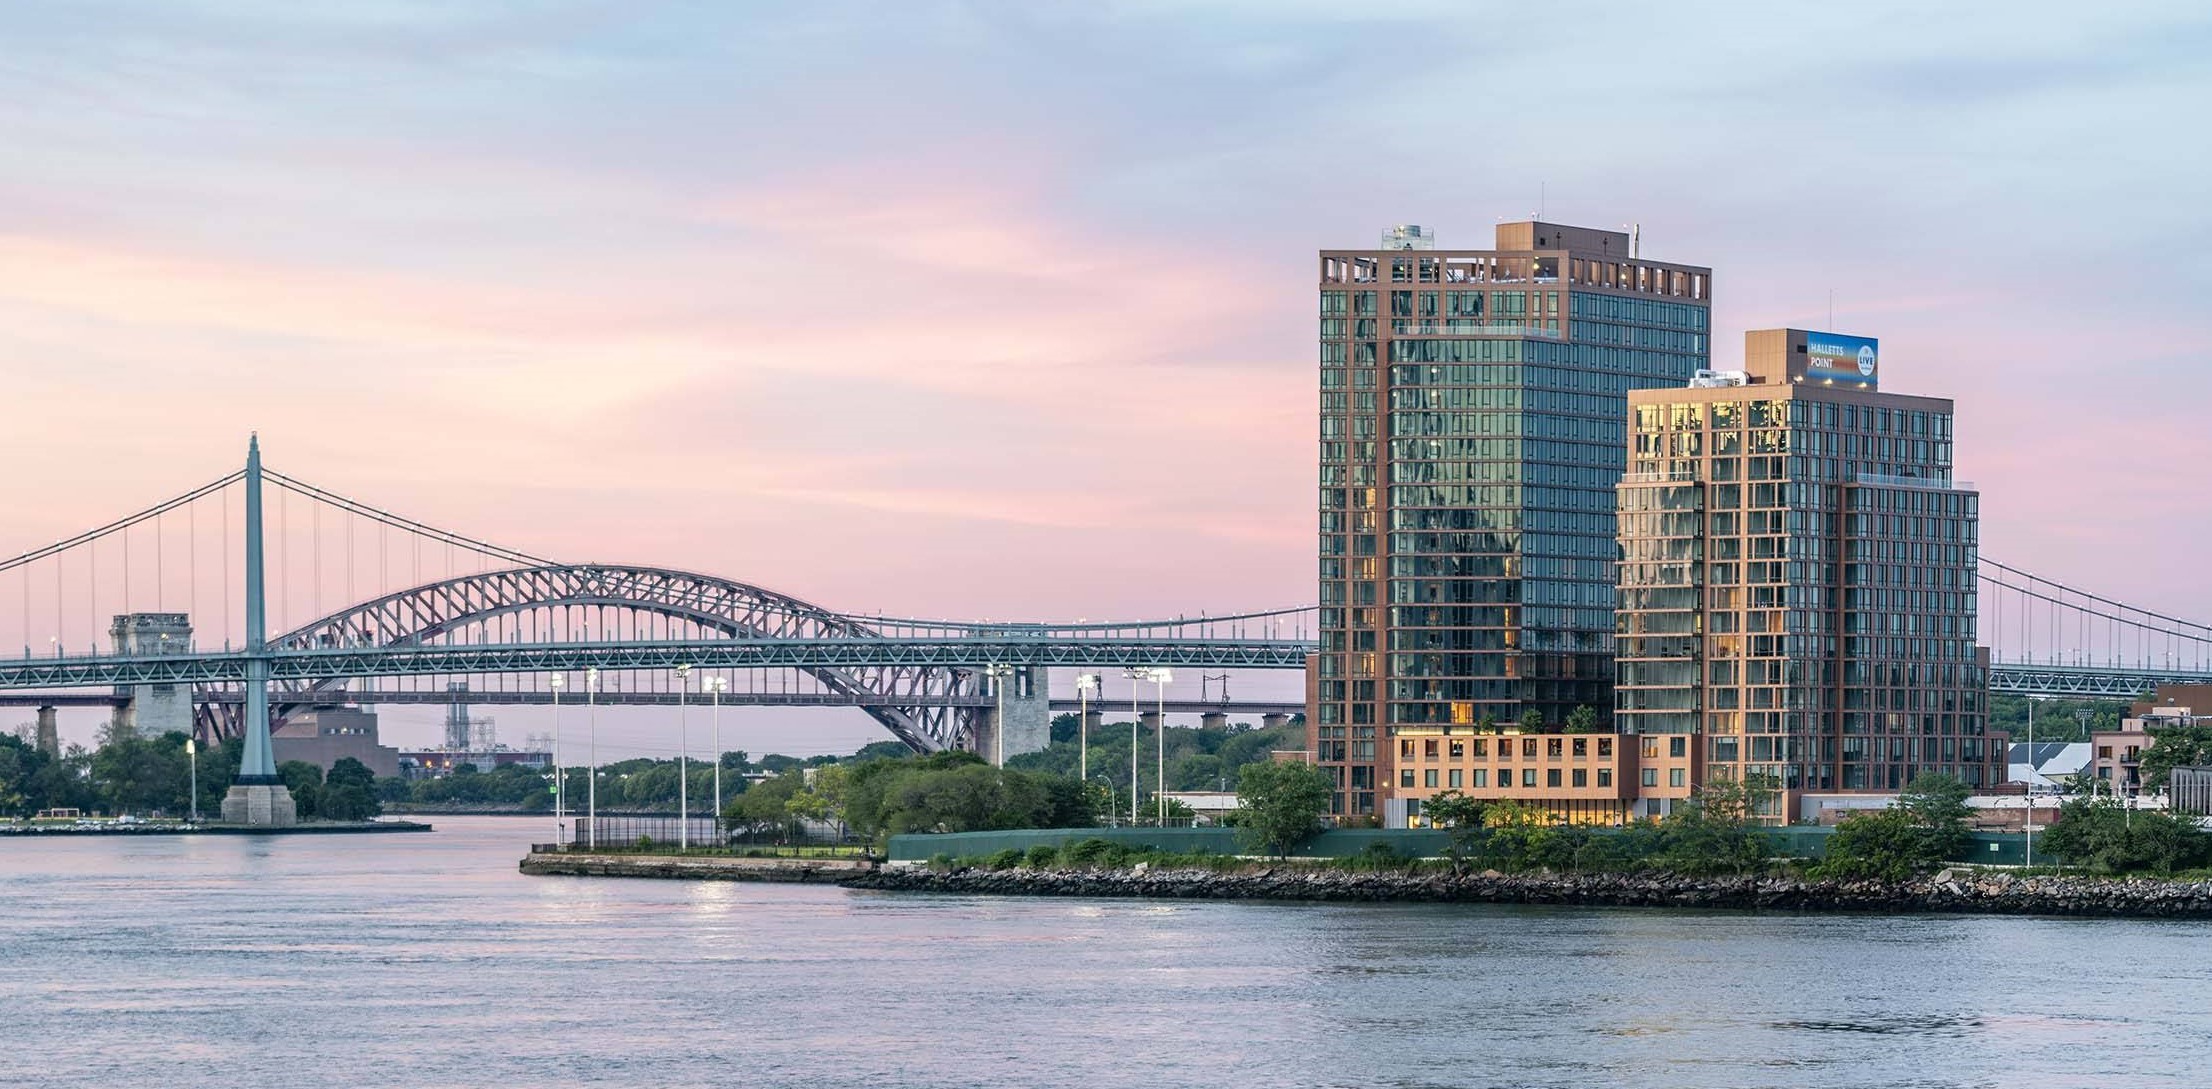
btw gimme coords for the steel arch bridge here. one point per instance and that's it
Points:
(918, 703)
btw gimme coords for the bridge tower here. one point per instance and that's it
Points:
(152, 710)
(257, 796)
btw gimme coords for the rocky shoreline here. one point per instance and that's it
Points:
(1950, 892)
(798, 871)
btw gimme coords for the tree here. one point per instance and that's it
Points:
(1937, 804)
(1878, 845)
(305, 781)
(1717, 831)
(1462, 817)
(1925, 827)
(1583, 720)
(1280, 804)
(349, 792)
(824, 798)
(1532, 721)
(764, 806)
(1488, 723)
(2181, 745)
(141, 775)
(2103, 836)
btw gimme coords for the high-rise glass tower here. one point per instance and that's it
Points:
(1473, 408)
(1797, 582)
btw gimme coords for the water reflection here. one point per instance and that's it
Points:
(427, 960)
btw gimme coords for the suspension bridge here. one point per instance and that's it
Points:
(114, 616)
(474, 622)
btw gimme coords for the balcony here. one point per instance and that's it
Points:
(1886, 480)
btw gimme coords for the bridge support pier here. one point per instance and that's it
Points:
(1028, 724)
(49, 731)
(1269, 722)
(1148, 724)
(1214, 720)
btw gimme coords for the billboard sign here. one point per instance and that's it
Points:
(1833, 358)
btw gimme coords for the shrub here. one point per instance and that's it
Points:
(2102, 836)
(1379, 855)
(1041, 857)
(1089, 852)
(1878, 845)
(1004, 860)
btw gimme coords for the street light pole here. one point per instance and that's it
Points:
(715, 685)
(560, 774)
(998, 674)
(2027, 823)
(192, 761)
(1160, 677)
(1085, 684)
(591, 787)
(683, 758)
(1136, 680)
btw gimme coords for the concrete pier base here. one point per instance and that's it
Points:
(260, 805)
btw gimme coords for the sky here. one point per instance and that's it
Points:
(1006, 309)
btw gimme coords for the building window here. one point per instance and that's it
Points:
(1528, 777)
(1551, 777)
(1405, 778)
(1651, 777)
(1581, 777)
(1676, 747)
(1428, 778)
(1452, 778)
(1479, 777)
(1674, 777)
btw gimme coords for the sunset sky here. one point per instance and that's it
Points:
(1005, 309)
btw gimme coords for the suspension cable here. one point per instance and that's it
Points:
(120, 523)
(449, 538)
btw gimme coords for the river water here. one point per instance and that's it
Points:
(426, 960)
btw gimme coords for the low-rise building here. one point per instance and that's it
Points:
(1594, 778)
(2047, 765)
(1206, 806)
(2117, 755)
(325, 735)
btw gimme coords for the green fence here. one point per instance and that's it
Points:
(1998, 848)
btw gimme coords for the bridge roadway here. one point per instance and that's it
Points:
(495, 698)
(834, 652)
(829, 652)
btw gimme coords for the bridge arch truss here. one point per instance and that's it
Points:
(580, 602)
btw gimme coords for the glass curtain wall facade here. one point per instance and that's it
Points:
(1797, 585)
(1473, 407)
